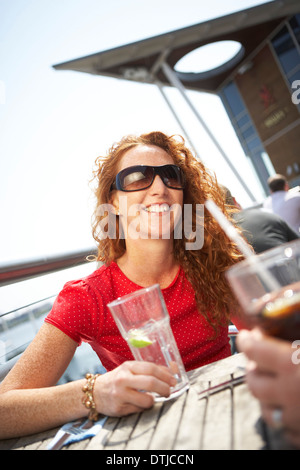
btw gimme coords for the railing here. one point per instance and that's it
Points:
(15, 272)
(33, 312)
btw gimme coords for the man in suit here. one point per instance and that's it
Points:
(263, 230)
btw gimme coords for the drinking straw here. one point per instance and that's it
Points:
(234, 235)
(228, 228)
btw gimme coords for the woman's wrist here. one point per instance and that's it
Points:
(88, 399)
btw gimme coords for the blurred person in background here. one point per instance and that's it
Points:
(283, 202)
(263, 230)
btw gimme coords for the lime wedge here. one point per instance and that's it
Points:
(139, 341)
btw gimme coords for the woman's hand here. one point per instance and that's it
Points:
(124, 390)
(273, 376)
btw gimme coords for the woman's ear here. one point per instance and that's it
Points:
(114, 202)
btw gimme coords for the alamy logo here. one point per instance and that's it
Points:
(296, 354)
(138, 222)
(296, 93)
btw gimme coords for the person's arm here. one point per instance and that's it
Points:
(30, 401)
(273, 377)
(289, 233)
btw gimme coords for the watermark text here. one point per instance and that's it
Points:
(296, 354)
(296, 93)
(159, 221)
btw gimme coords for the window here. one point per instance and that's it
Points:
(255, 145)
(286, 50)
(244, 121)
(233, 99)
(245, 130)
(294, 76)
(249, 132)
(295, 24)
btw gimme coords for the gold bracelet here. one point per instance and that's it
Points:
(88, 399)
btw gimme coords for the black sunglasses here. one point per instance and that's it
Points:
(139, 177)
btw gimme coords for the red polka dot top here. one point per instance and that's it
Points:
(80, 311)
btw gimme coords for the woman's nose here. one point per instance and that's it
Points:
(158, 186)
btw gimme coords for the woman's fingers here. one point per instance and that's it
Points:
(148, 369)
(129, 387)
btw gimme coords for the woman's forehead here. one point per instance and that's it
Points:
(145, 155)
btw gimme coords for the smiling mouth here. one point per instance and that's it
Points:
(157, 208)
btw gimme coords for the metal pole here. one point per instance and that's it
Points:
(160, 87)
(22, 270)
(174, 80)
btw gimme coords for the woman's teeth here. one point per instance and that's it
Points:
(156, 208)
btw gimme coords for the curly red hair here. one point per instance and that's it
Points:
(205, 267)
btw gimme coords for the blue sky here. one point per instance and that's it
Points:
(53, 125)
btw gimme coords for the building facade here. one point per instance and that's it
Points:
(263, 102)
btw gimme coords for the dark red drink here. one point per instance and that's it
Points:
(280, 316)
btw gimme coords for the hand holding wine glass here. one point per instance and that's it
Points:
(267, 287)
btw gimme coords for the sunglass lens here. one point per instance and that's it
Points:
(172, 177)
(137, 178)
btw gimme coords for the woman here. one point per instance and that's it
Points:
(152, 174)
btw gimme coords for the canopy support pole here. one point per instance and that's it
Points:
(174, 80)
(160, 87)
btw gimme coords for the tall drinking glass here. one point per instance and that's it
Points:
(144, 322)
(267, 287)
